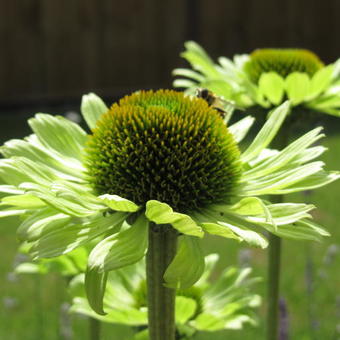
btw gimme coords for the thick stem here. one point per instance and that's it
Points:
(273, 281)
(161, 300)
(94, 329)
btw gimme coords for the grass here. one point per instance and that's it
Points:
(32, 306)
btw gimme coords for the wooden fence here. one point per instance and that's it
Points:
(62, 48)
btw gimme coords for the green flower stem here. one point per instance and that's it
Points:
(94, 329)
(274, 269)
(161, 300)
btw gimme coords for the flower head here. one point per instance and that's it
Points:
(69, 186)
(265, 78)
(164, 146)
(283, 61)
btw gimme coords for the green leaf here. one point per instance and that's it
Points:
(162, 213)
(320, 81)
(267, 133)
(92, 107)
(187, 266)
(185, 309)
(118, 203)
(272, 86)
(95, 284)
(241, 128)
(297, 87)
(59, 134)
(122, 249)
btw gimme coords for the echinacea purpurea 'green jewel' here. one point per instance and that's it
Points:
(283, 61)
(63, 206)
(264, 78)
(166, 147)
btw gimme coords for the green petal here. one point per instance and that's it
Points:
(320, 81)
(65, 202)
(187, 266)
(31, 148)
(95, 284)
(241, 128)
(185, 309)
(267, 133)
(61, 241)
(199, 59)
(294, 151)
(41, 222)
(59, 134)
(92, 107)
(208, 322)
(187, 73)
(120, 250)
(297, 87)
(253, 238)
(118, 203)
(162, 213)
(272, 86)
(23, 201)
(219, 230)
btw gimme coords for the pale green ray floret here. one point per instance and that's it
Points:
(266, 77)
(55, 179)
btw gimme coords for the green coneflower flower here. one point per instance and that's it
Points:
(283, 61)
(63, 181)
(266, 77)
(225, 303)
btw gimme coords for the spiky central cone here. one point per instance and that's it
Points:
(283, 61)
(165, 146)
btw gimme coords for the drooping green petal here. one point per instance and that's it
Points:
(219, 230)
(41, 222)
(267, 133)
(31, 148)
(236, 223)
(320, 81)
(92, 107)
(253, 238)
(187, 73)
(95, 284)
(208, 322)
(199, 59)
(292, 151)
(301, 230)
(61, 241)
(241, 128)
(162, 213)
(73, 206)
(59, 134)
(24, 201)
(185, 309)
(187, 266)
(122, 249)
(272, 86)
(12, 212)
(11, 189)
(277, 182)
(119, 203)
(297, 87)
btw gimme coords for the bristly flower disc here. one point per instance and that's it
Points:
(282, 61)
(165, 146)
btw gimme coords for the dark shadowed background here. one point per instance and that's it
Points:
(54, 51)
